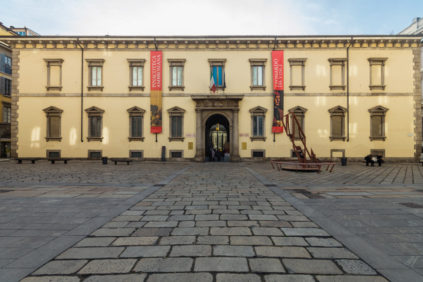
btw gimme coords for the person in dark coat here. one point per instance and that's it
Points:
(369, 160)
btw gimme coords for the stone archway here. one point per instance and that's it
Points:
(209, 105)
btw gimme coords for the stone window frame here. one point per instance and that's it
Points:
(297, 62)
(136, 151)
(379, 111)
(262, 63)
(136, 63)
(377, 62)
(222, 63)
(95, 63)
(332, 151)
(95, 151)
(337, 62)
(176, 63)
(136, 112)
(337, 111)
(53, 62)
(258, 111)
(299, 112)
(53, 112)
(176, 111)
(94, 111)
(53, 151)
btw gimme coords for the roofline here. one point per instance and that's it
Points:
(158, 37)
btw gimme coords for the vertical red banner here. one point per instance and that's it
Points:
(156, 58)
(278, 88)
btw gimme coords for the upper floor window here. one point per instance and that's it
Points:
(5, 86)
(217, 74)
(6, 112)
(377, 73)
(299, 113)
(377, 123)
(257, 73)
(176, 74)
(297, 73)
(95, 74)
(54, 74)
(176, 121)
(337, 73)
(136, 117)
(136, 74)
(258, 115)
(95, 124)
(54, 117)
(5, 64)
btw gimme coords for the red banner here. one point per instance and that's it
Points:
(277, 71)
(156, 91)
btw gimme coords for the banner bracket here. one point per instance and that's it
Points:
(156, 138)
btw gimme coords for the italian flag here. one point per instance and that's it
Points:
(212, 84)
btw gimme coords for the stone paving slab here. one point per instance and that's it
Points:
(200, 227)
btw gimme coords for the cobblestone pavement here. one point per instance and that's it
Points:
(38, 220)
(216, 222)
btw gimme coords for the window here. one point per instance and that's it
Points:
(217, 72)
(136, 74)
(299, 113)
(5, 64)
(95, 67)
(5, 86)
(176, 154)
(54, 118)
(258, 153)
(257, 74)
(94, 155)
(377, 123)
(176, 74)
(297, 69)
(176, 121)
(53, 154)
(337, 73)
(337, 123)
(54, 74)
(6, 112)
(258, 115)
(377, 73)
(136, 117)
(136, 155)
(95, 124)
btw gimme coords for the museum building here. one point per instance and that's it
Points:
(194, 97)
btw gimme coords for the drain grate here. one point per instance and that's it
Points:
(412, 205)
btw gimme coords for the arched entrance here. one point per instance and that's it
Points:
(217, 137)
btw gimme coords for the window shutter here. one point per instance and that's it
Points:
(377, 126)
(337, 126)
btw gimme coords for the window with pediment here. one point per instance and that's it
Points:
(176, 122)
(337, 123)
(299, 114)
(377, 123)
(258, 130)
(95, 124)
(136, 118)
(54, 118)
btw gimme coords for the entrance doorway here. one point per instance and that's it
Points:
(217, 138)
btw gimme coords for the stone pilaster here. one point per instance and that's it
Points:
(235, 153)
(199, 155)
(417, 103)
(15, 106)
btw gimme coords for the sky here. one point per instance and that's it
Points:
(211, 17)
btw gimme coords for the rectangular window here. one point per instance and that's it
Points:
(54, 74)
(377, 73)
(6, 113)
(337, 73)
(5, 64)
(295, 126)
(137, 76)
(53, 154)
(176, 126)
(94, 155)
(53, 127)
(176, 154)
(5, 86)
(297, 73)
(217, 72)
(95, 125)
(136, 154)
(257, 72)
(258, 126)
(176, 74)
(337, 126)
(377, 126)
(136, 126)
(96, 76)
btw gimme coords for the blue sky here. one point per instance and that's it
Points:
(216, 17)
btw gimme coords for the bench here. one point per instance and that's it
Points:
(65, 161)
(123, 160)
(32, 160)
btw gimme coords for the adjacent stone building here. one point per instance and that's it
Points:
(87, 97)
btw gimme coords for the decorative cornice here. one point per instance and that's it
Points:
(205, 42)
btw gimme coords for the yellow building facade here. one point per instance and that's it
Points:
(87, 97)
